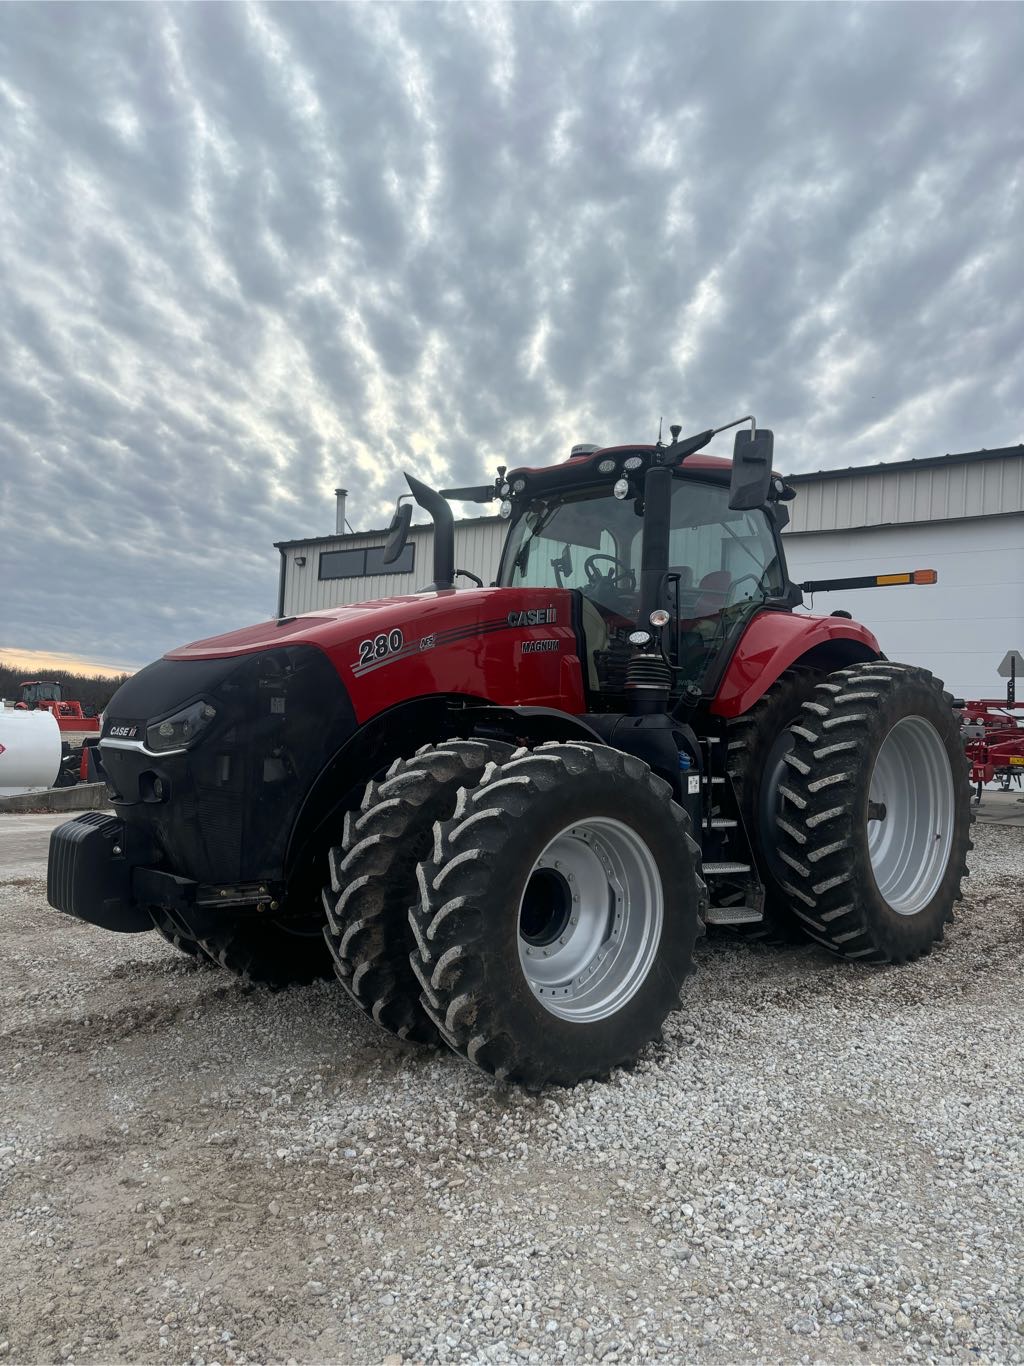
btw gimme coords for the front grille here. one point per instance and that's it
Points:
(281, 716)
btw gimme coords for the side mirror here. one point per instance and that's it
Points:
(751, 469)
(398, 533)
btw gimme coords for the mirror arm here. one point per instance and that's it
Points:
(475, 493)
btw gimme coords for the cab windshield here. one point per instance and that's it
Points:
(725, 562)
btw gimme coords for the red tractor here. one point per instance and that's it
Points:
(37, 695)
(504, 814)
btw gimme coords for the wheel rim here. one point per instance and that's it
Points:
(590, 919)
(910, 815)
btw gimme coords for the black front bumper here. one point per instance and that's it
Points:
(99, 871)
(89, 874)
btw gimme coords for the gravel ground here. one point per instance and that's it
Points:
(821, 1162)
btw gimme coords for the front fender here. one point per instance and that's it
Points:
(775, 641)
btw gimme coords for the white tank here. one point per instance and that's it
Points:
(29, 751)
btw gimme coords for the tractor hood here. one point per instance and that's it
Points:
(457, 641)
(326, 627)
(211, 750)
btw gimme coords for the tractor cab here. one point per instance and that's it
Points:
(585, 528)
(35, 692)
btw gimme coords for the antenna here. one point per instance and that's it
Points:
(660, 421)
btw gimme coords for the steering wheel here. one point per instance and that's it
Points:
(623, 576)
(732, 598)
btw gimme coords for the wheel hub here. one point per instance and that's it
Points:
(590, 919)
(910, 815)
(547, 907)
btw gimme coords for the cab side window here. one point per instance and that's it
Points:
(723, 558)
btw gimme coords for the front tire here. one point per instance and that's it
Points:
(271, 953)
(373, 879)
(173, 931)
(876, 828)
(558, 915)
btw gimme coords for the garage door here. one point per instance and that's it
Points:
(962, 627)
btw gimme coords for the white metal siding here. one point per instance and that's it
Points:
(966, 488)
(478, 544)
(962, 627)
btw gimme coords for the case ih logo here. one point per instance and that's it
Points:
(123, 732)
(534, 616)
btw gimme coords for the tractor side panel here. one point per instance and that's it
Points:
(772, 643)
(512, 647)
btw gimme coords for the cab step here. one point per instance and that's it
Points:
(732, 915)
(725, 869)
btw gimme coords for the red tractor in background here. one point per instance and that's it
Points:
(37, 695)
(523, 803)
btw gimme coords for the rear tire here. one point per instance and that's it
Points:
(373, 879)
(876, 828)
(514, 982)
(757, 742)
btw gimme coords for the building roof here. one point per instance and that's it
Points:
(894, 466)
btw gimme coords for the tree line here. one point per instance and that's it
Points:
(92, 690)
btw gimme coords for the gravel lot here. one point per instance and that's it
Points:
(821, 1162)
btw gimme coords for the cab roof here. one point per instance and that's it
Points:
(698, 463)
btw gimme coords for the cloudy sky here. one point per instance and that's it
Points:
(252, 252)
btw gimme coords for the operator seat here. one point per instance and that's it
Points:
(714, 590)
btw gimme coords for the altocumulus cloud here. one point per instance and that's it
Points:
(251, 252)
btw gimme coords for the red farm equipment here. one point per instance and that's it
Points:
(503, 815)
(37, 695)
(993, 733)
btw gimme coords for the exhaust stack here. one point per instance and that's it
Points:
(339, 520)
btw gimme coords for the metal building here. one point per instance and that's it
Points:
(960, 514)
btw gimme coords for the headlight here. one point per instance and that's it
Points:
(181, 729)
(621, 488)
(505, 510)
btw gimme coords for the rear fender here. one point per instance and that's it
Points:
(776, 641)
